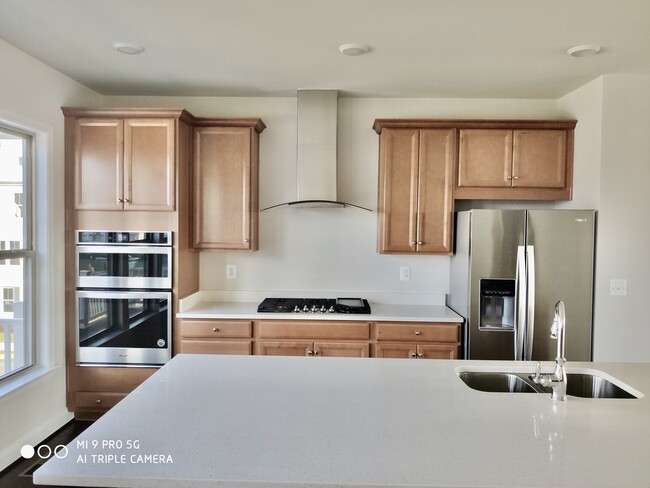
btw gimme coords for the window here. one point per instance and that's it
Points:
(16, 252)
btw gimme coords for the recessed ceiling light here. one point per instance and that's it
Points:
(127, 48)
(584, 51)
(353, 49)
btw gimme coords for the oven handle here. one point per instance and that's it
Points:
(124, 249)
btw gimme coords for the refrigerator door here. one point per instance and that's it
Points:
(495, 236)
(563, 244)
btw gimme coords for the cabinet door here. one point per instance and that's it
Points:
(397, 206)
(435, 205)
(284, 348)
(342, 349)
(539, 158)
(205, 346)
(222, 188)
(149, 164)
(437, 351)
(403, 350)
(485, 158)
(98, 164)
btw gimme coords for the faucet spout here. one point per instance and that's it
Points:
(557, 380)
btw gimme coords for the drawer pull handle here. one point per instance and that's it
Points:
(417, 332)
(215, 329)
(98, 401)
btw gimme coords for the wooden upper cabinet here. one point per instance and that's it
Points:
(149, 164)
(415, 208)
(98, 164)
(124, 164)
(226, 186)
(517, 160)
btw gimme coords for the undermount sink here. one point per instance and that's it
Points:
(583, 385)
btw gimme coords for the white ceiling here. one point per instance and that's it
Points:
(419, 48)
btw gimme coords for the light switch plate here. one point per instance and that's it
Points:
(618, 287)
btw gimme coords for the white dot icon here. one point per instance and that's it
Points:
(27, 451)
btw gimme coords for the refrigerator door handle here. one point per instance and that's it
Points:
(520, 304)
(530, 330)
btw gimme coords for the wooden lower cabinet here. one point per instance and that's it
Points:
(216, 337)
(97, 389)
(417, 340)
(307, 348)
(416, 351)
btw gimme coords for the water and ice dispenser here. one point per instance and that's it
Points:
(497, 304)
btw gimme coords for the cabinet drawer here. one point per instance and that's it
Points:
(216, 347)
(215, 328)
(313, 330)
(410, 331)
(97, 400)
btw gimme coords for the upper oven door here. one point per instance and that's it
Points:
(124, 267)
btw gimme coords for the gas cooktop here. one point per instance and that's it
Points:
(314, 305)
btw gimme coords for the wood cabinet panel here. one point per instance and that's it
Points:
(396, 350)
(149, 159)
(415, 206)
(97, 400)
(416, 351)
(98, 163)
(225, 179)
(294, 329)
(206, 346)
(409, 331)
(211, 329)
(283, 348)
(342, 349)
(539, 159)
(485, 158)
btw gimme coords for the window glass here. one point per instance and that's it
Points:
(16, 253)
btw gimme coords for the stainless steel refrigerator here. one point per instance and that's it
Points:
(509, 269)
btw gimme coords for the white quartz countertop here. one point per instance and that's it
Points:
(380, 312)
(262, 421)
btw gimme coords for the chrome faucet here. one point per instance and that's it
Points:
(557, 380)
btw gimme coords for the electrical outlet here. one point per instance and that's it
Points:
(231, 271)
(404, 273)
(618, 287)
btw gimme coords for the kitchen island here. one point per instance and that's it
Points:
(251, 421)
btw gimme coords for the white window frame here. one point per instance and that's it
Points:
(28, 254)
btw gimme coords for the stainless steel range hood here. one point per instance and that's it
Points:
(316, 151)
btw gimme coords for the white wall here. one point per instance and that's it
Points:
(31, 95)
(330, 251)
(622, 331)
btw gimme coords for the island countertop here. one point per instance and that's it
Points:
(255, 421)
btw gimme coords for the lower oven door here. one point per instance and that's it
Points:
(123, 328)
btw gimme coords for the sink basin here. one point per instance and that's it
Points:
(496, 382)
(592, 386)
(583, 385)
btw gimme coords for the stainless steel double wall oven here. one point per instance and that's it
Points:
(123, 298)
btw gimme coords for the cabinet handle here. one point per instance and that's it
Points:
(413, 354)
(420, 243)
(119, 200)
(246, 241)
(515, 177)
(417, 332)
(420, 355)
(509, 178)
(413, 243)
(126, 200)
(215, 329)
(98, 401)
(310, 353)
(316, 353)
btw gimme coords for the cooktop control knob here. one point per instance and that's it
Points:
(305, 309)
(296, 309)
(331, 309)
